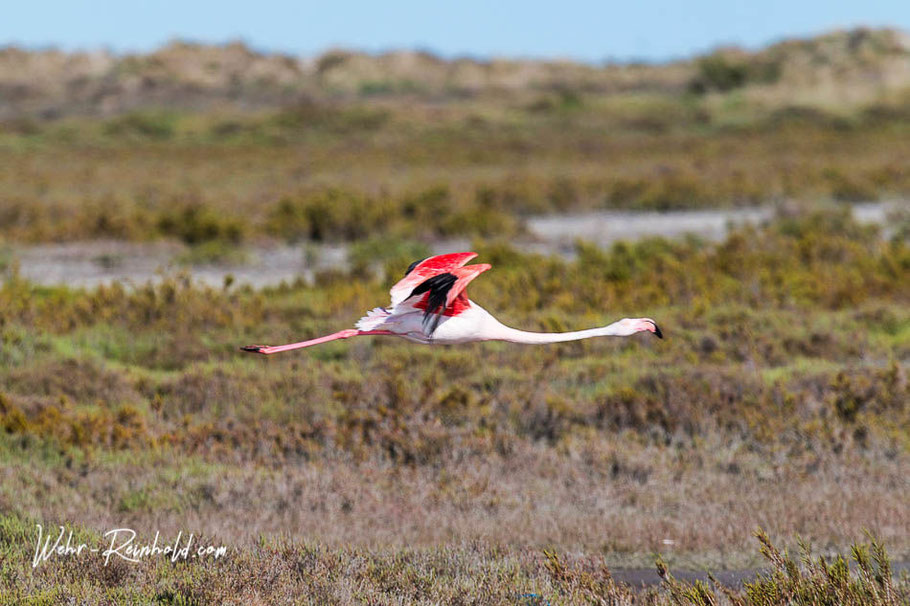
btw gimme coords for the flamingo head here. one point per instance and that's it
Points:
(630, 326)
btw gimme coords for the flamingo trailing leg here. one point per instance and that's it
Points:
(429, 305)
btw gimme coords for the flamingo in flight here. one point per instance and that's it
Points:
(429, 305)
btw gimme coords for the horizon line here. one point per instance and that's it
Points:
(446, 56)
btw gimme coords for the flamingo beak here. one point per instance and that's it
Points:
(651, 326)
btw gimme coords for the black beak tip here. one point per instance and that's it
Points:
(657, 332)
(252, 348)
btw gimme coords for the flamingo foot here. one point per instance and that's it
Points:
(254, 348)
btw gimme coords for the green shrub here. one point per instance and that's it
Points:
(146, 125)
(197, 223)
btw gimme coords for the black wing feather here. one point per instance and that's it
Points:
(438, 286)
(413, 265)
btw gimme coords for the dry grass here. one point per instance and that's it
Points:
(282, 571)
(602, 496)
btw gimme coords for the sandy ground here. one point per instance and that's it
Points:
(86, 264)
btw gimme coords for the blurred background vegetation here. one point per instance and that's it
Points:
(779, 398)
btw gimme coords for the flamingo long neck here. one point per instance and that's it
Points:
(513, 335)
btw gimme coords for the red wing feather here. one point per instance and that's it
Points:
(464, 275)
(423, 270)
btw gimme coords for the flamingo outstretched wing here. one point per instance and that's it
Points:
(419, 271)
(434, 285)
(443, 294)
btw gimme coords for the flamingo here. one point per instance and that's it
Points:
(429, 306)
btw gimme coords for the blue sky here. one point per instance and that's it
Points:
(579, 29)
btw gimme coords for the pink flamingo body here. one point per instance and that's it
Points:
(429, 306)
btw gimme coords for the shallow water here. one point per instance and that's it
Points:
(606, 227)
